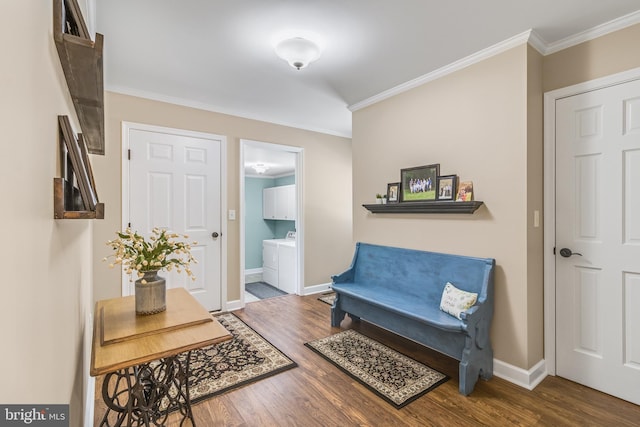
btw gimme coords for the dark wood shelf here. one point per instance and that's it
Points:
(67, 203)
(81, 60)
(433, 207)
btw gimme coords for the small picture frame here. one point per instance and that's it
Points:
(465, 192)
(393, 192)
(447, 187)
(418, 184)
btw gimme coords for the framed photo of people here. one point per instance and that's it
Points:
(465, 192)
(418, 184)
(447, 187)
(393, 192)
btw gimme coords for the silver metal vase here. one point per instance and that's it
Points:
(151, 296)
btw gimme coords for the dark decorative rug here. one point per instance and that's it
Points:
(245, 358)
(328, 298)
(396, 378)
(263, 290)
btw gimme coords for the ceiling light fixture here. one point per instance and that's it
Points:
(260, 168)
(298, 51)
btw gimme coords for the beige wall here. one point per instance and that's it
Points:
(326, 180)
(46, 291)
(474, 123)
(484, 123)
(609, 54)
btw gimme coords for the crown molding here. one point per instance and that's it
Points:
(537, 42)
(593, 33)
(123, 90)
(530, 36)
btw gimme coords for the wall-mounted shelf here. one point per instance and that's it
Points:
(433, 207)
(67, 203)
(81, 61)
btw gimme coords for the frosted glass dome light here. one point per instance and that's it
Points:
(298, 51)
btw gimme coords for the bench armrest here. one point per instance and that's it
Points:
(469, 314)
(343, 277)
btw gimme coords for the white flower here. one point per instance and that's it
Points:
(159, 251)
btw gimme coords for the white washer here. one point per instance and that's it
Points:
(279, 264)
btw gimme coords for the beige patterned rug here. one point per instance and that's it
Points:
(328, 298)
(396, 378)
(246, 358)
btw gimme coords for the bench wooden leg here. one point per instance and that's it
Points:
(468, 377)
(477, 359)
(337, 314)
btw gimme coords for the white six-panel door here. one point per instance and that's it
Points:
(598, 221)
(175, 183)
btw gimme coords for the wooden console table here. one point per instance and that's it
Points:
(145, 359)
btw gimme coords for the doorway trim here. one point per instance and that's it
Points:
(550, 99)
(299, 152)
(126, 128)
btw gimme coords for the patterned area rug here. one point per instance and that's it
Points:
(328, 298)
(396, 378)
(246, 358)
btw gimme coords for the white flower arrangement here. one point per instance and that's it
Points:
(160, 252)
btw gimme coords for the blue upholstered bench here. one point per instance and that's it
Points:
(400, 290)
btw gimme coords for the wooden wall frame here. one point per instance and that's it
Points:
(81, 61)
(74, 194)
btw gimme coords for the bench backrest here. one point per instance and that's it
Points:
(420, 272)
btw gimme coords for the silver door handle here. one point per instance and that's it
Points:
(566, 252)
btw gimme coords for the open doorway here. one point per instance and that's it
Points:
(271, 223)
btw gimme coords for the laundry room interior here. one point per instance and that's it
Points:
(270, 221)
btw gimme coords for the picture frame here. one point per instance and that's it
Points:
(447, 187)
(78, 164)
(465, 192)
(393, 192)
(418, 184)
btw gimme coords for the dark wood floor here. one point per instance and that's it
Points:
(317, 394)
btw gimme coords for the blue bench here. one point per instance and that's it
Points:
(400, 290)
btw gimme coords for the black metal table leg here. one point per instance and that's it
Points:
(143, 395)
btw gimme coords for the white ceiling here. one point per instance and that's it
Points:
(278, 162)
(217, 54)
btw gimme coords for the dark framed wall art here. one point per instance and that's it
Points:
(447, 187)
(419, 183)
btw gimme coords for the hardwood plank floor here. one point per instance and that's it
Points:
(316, 393)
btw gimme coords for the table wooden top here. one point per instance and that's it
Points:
(122, 339)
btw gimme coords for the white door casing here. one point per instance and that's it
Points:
(299, 210)
(175, 180)
(597, 215)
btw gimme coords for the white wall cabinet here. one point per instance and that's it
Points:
(279, 203)
(269, 203)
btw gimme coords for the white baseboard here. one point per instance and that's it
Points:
(234, 305)
(89, 404)
(253, 271)
(316, 289)
(89, 381)
(528, 379)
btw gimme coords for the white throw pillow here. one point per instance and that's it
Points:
(454, 301)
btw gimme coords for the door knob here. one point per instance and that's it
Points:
(566, 252)
(215, 234)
